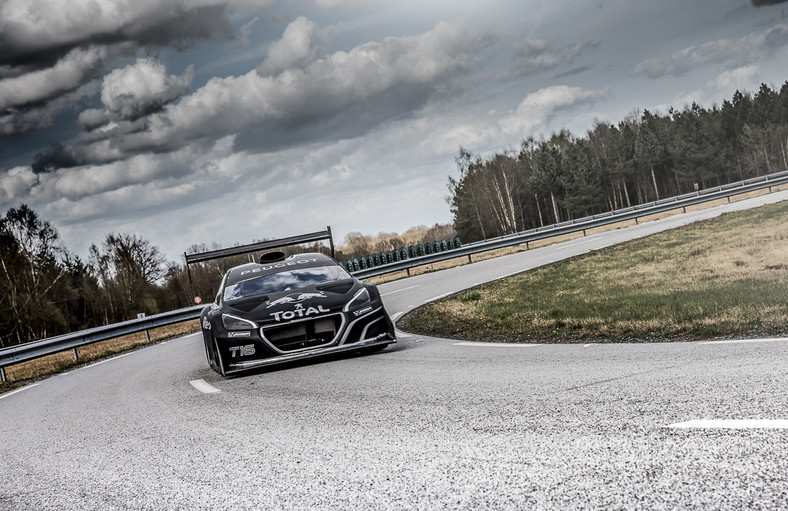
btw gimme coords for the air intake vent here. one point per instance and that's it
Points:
(272, 257)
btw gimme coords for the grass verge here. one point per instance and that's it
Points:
(722, 277)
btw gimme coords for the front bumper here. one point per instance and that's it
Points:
(260, 348)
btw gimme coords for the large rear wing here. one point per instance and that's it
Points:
(257, 247)
(262, 245)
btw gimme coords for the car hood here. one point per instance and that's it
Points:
(294, 304)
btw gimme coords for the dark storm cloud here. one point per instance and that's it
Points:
(299, 95)
(57, 156)
(176, 26)
(760, 3)
(50, 52)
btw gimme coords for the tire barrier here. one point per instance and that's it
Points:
(401, 254)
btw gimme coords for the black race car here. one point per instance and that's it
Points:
(280, 310)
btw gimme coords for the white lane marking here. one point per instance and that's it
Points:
(747, 341)
(204, 387)
(108, 360)
(496, 344)
(444, 295)
(732, 424)
(509, 274)
(94, 364)
(591, 345)
(398, 290)
(574, 244)
(18, 390)
(394, 317)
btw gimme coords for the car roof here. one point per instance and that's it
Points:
(297, 261)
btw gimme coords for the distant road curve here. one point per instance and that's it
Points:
(403, 295)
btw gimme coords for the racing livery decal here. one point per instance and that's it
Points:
(294, 298)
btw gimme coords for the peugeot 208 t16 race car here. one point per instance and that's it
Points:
(281, 310)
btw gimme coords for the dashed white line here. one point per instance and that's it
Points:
(18, 390)
(747, 341)
(399, 290)
(732, 424)
(496, 344)
(204, 387)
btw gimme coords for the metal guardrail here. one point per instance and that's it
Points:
(40, 348)
(35, 349)
(583, 224)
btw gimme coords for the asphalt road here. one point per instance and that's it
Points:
(426, 424)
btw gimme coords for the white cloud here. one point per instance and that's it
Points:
(294, 50)
(743, 50)
(16, 183)
(722, 87)
(135, 90)
(538, 108)
(21, 121)
(377, 81)
(50, 48)
(66, 75)
(47, 23)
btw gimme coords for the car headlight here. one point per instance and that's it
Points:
(359, 299)
(234, 323)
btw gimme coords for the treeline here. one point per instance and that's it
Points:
(359, 245)
(45, 290)
(643, 158)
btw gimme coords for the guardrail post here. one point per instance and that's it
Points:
(469, 259)
(147, 336)
(729, 199)
(636, 221)
(527, 246)
(76, 357)
(684, 208)
(2, 375)
(584, 233)
(407, 270)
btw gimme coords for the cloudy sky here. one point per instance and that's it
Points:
(199, 121)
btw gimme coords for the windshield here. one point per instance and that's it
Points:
(284, 281)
